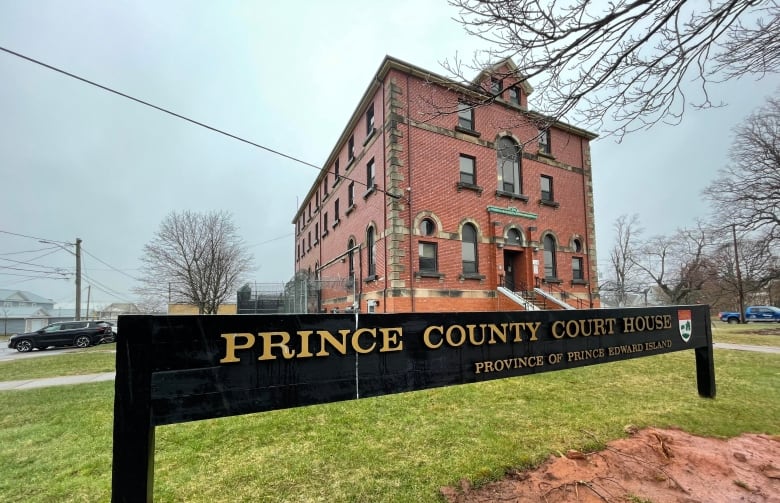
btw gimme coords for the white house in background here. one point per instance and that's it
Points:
(112, 311)
(22, 311)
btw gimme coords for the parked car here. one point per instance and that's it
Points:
(752, 313)
(67, 333)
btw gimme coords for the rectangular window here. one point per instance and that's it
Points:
(370, 175)
(547, 188)
(316, 232)
(324, 224)
(325, 187)
(465, 116)
(467, 170)
(370, 120)
(351, 148)
(371, 251)
(336, 173)
(576, 269)
(496, 86)
(309, 248)
(317, 197)
(336, 212)
(508, 176)
(428, 257)
(544, 141)
(351, 194)
(514, 95)
(469, 258)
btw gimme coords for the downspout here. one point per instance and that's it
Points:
(409, 196)
(384, 168)
(493, 248)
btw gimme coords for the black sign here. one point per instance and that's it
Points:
(173, 369)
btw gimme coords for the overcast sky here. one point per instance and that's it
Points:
(76, 161)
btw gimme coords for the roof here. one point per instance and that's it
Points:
(390, 63)
(511, 66)
(120, 308)
(23, 312)
(22, 295)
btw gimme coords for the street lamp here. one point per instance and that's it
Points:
(78, 269)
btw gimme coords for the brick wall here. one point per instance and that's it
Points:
(416, 150)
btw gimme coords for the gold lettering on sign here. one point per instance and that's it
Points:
(273, 345)
(646, 323)
(583, 328)
(230, 350)
(519, 362)
(429, 343)
(391, 339)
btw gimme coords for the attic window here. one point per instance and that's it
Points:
(514, 95)
(496, 86)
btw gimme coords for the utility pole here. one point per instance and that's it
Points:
(89, 293)
(739, 276)
(78, 279)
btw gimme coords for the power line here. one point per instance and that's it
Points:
(30, 251)
(31, 276)
(182, 117)
(105, 289)
(52, 270)
(29, 262)
(161, 109)
(270, 240)
(109, 265)
(33, 237)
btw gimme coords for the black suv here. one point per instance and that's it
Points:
(67, 333)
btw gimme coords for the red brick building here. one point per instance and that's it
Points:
(440, 196)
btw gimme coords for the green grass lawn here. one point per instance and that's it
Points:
(756, 334)
(92, 360)
(55, 443)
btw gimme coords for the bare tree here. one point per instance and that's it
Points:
(678, 264)
(622, 278)
(194, 258)
(759, 267)
(624, 65)
(747, 192)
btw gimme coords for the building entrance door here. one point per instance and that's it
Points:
(515, 270)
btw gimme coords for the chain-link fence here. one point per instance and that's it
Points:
(301, 294)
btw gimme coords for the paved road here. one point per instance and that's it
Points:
(12, 354)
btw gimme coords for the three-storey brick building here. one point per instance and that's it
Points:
(440, 196)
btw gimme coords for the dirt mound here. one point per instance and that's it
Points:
(652, 465)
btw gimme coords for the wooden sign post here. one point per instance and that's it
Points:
(172, 369)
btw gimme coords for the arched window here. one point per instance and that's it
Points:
(371, 252)
(427, 227)
(509, 166)
(513, 238)
(351, 258)
(469, 249)
(550, 267)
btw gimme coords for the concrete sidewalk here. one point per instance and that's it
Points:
(55, 381)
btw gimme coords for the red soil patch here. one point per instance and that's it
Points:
(651, 466)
